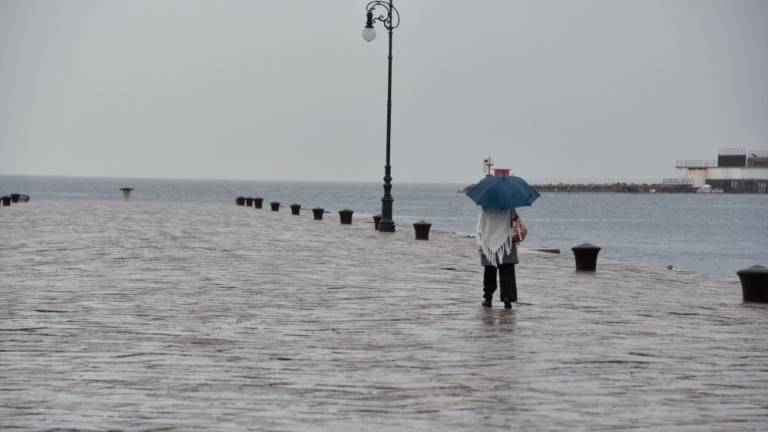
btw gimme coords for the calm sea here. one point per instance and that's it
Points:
(707, 233)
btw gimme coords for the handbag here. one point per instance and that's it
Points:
(519, 231)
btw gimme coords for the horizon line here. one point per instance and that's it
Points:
(224, 179)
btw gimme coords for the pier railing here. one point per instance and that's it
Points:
(732, 151)
(677, 181)
(695, 164)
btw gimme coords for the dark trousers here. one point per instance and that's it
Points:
(506, 280)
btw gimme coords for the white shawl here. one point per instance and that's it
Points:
(494, 234)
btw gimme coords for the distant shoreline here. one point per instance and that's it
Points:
(616, 188)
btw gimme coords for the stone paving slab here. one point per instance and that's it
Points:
(143, 316)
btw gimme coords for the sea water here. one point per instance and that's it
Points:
(707, 233)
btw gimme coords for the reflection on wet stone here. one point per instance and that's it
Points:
(205, 316)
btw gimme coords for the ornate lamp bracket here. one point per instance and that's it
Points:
(390, 19)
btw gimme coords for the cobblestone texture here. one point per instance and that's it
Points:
(171, 317)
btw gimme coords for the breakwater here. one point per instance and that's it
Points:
(615, 186)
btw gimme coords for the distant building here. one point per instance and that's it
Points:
(735, 171)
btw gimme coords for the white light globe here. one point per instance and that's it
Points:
(369, 34)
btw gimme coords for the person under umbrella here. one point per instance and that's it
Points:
(499, 229)
(498, 253)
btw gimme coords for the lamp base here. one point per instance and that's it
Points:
(387, 226)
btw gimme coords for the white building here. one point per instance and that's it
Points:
(735, 171)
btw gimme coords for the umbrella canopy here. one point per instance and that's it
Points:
(503, 192)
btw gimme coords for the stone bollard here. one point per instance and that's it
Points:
(422, 230)
(249, 202)
(317, 212)
(295, 209)
(275, 205)
(376, 220)
(257, 202)
(6, 201)
(754, 283)
(346, 216)
(15, 197)
(586, 256)
(240, 200)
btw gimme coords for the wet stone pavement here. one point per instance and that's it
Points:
(143, 316)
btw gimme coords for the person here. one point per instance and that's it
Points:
(498, 253)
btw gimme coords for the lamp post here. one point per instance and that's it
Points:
(391, 20)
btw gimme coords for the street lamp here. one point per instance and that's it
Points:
(391, 20)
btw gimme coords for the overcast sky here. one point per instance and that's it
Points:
(287, 89)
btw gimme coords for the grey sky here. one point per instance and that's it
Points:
(287, 89)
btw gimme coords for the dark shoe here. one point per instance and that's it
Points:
(486, 302)
(507, 303)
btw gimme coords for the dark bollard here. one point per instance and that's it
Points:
(586, 256)
(6, 201)
(257, 202)
(754, 283)
(317, 212)
(295, 209)
(15, 198)
(275, 205)
(249, 202)
(422, 230)
(240, 201)
(346, 216)
(126, 192)
(376, 220)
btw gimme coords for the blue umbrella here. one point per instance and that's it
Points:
(503, 192)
